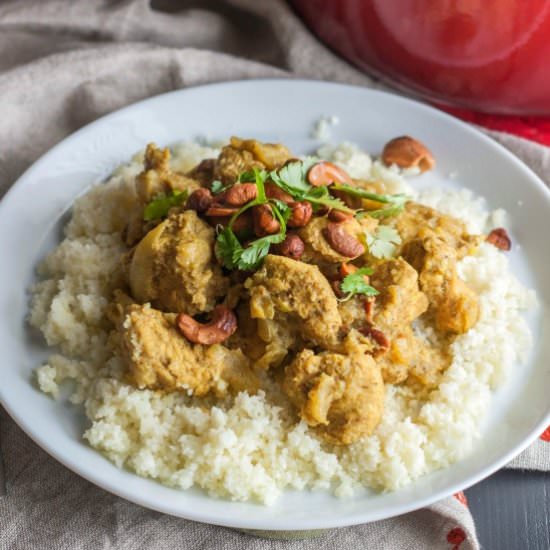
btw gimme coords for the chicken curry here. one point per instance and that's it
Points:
(260, 267)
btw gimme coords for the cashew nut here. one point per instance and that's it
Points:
(408, 152)
(240, 194)
(200, 200)
(273, 191)
(219, 329)
(292, 247)
(301, 214)
(264, 220)
(499, 237)
(243, 224)
(217, 210)
(325, 173)
(341, 241)
(339, 215)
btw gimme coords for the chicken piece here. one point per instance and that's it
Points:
(232, 162)
(428, 363)
(400, 300)
(297, 297)
(265, 353)
(408, 356)
(203, 172)
(368, 225)
(271, 155)
(342, 396)
(243, 155)
(159, 357)
(173, 266)
(419, 221)
(157, 176)
(455, 306)
(397, 360)
(353, 312)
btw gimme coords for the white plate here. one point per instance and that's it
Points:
(274, 110)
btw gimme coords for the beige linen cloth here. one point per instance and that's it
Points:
(62, 65)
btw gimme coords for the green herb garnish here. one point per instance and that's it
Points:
(355, 283)
(283, 208)
(385, 212)
(218, 187)
(234, 256)
(320, 196)
(383, 242)
(396, 202)
(228, 248)
(159, 207)
(257, 250)
(292, 178)
(249, 176)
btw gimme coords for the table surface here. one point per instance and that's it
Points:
(511, 510)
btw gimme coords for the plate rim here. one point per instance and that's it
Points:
(276, 524)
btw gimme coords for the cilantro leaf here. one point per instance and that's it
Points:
(257, 250)
(355, 283)
(383, 243)
(159, 207)
(247, 176)
(218, 187)
(292, 177)
(363, 194)
(228, 249)
(259, 178)
(386, 212)
(396, 202)
(321, 196)
(283, 208)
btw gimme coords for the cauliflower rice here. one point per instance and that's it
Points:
(250, 447)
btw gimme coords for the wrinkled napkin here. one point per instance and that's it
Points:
(64, 64)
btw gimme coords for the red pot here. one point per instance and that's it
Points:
(489, 55)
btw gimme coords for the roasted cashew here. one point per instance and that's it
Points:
(301, 214)
(219, 329)
(200, 200)
(341, 241)
(265, 222)
(339, 215)
(240, 194)
(325, 173)
(292, 247)
(273, 191)
(217, 210)
(499, 237)
(408, 152)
